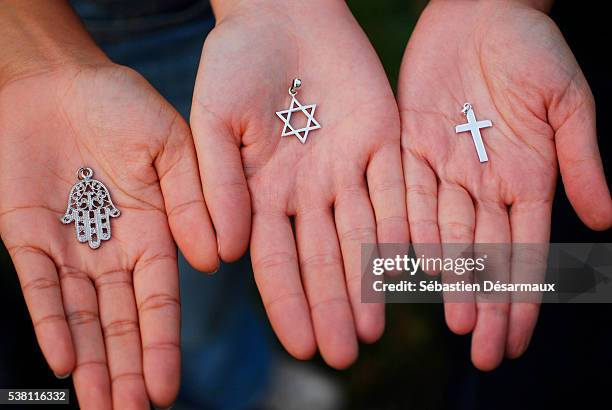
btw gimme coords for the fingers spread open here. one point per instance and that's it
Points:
(355, 225)
(530, 226)
(323, 280)
(275, 265)
(388, 193)
(119, 320)
(456, 219)
(489, 338)
(90, 376)
(224, 183)
(187, 214)
(41, 289)
(156, 288)
(573, 120)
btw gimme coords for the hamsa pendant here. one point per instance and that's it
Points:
(90, 208)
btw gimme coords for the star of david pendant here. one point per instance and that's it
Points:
(296, 106)
(90, 208)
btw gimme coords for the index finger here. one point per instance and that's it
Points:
(156, 287)
(530, 227)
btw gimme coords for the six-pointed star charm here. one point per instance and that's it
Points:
(296, 106)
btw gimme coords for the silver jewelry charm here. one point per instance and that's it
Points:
(296, 106)
(474, 127)
(90, 208)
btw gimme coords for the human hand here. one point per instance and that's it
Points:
(110, 316)
(512, 64)
(311, 284)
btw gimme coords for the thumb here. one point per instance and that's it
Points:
(224, 182)
(572, 117)
(188, 217)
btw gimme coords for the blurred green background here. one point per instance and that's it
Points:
(388, 24)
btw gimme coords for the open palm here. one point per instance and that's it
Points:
(109, 316)
(512, 64)
(310, 284)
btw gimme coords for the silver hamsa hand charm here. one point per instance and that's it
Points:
(90, 208)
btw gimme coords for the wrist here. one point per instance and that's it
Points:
(540, 5)
(222, 8)
(41, 36)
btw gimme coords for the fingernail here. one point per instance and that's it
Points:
(62, 377)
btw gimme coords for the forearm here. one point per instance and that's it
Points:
(221, 8)
(542, 5)
(38, 35)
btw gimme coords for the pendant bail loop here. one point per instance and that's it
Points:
(84, 173)
(466, 108)
(297, 83)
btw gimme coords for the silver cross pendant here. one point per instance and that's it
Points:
(296, 106)
(474, 126)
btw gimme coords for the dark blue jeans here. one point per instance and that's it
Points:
(225, 341)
